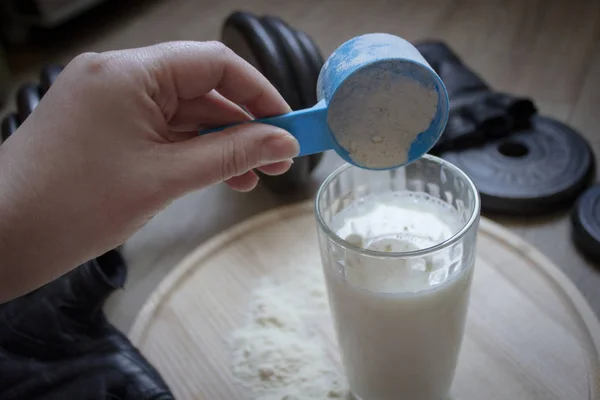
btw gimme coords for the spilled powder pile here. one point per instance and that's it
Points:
(376, 122)
(280, 354)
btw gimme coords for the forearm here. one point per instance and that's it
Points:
(29, 258)
(39, 240)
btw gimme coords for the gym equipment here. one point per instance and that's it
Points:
(586, 223)
(477, 112)
(522, 163)
(533, 171)
(28, 98)
(258, 43)
(48, 76)
(10, 123)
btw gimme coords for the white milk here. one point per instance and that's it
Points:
(400, 322)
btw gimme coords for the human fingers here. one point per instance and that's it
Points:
(243, 183)
(276, 168)
(220, 156)
(208, 111)
(188, 70)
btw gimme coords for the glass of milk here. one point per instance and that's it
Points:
(398, 249)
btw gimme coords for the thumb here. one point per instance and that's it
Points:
(216, 157)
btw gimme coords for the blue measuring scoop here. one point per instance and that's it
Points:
(353, 68)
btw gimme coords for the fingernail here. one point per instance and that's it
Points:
(279, 148)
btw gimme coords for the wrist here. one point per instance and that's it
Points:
(33, 246)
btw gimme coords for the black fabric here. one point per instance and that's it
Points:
(56, 343)
(477, 113)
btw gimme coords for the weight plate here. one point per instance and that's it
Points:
(301, 74)
(245, 34)
(28, 97)
(10, 123)
(48, 76)
(248, 36)
(586, 223)
(315, 62)
(536, 170)
(305, 81)
(313, 56)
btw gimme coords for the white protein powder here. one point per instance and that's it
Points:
(377, 114)
(279, 354)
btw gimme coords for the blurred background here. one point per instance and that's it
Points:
(546, 51)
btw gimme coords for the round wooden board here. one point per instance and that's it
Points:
(530, 334)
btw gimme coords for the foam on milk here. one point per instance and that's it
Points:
(400, 322)
(396, 222)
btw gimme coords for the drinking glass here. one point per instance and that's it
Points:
(397, 342)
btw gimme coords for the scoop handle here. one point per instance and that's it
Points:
(308, 126)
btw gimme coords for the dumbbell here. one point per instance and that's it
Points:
(585, 221)
(10, 123)
(291, 61)
(48, 76)
(28, 97)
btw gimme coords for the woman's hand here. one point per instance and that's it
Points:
(115, 140)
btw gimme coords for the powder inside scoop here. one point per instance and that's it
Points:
(378, 112)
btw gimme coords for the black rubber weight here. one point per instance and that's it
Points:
(314, 59)
(586, 223)
(534, 171)
(298, 64)
(48, 76)
(10, 123)
(28, 97)
(305, 80)
(250, 38)
(246, 35)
